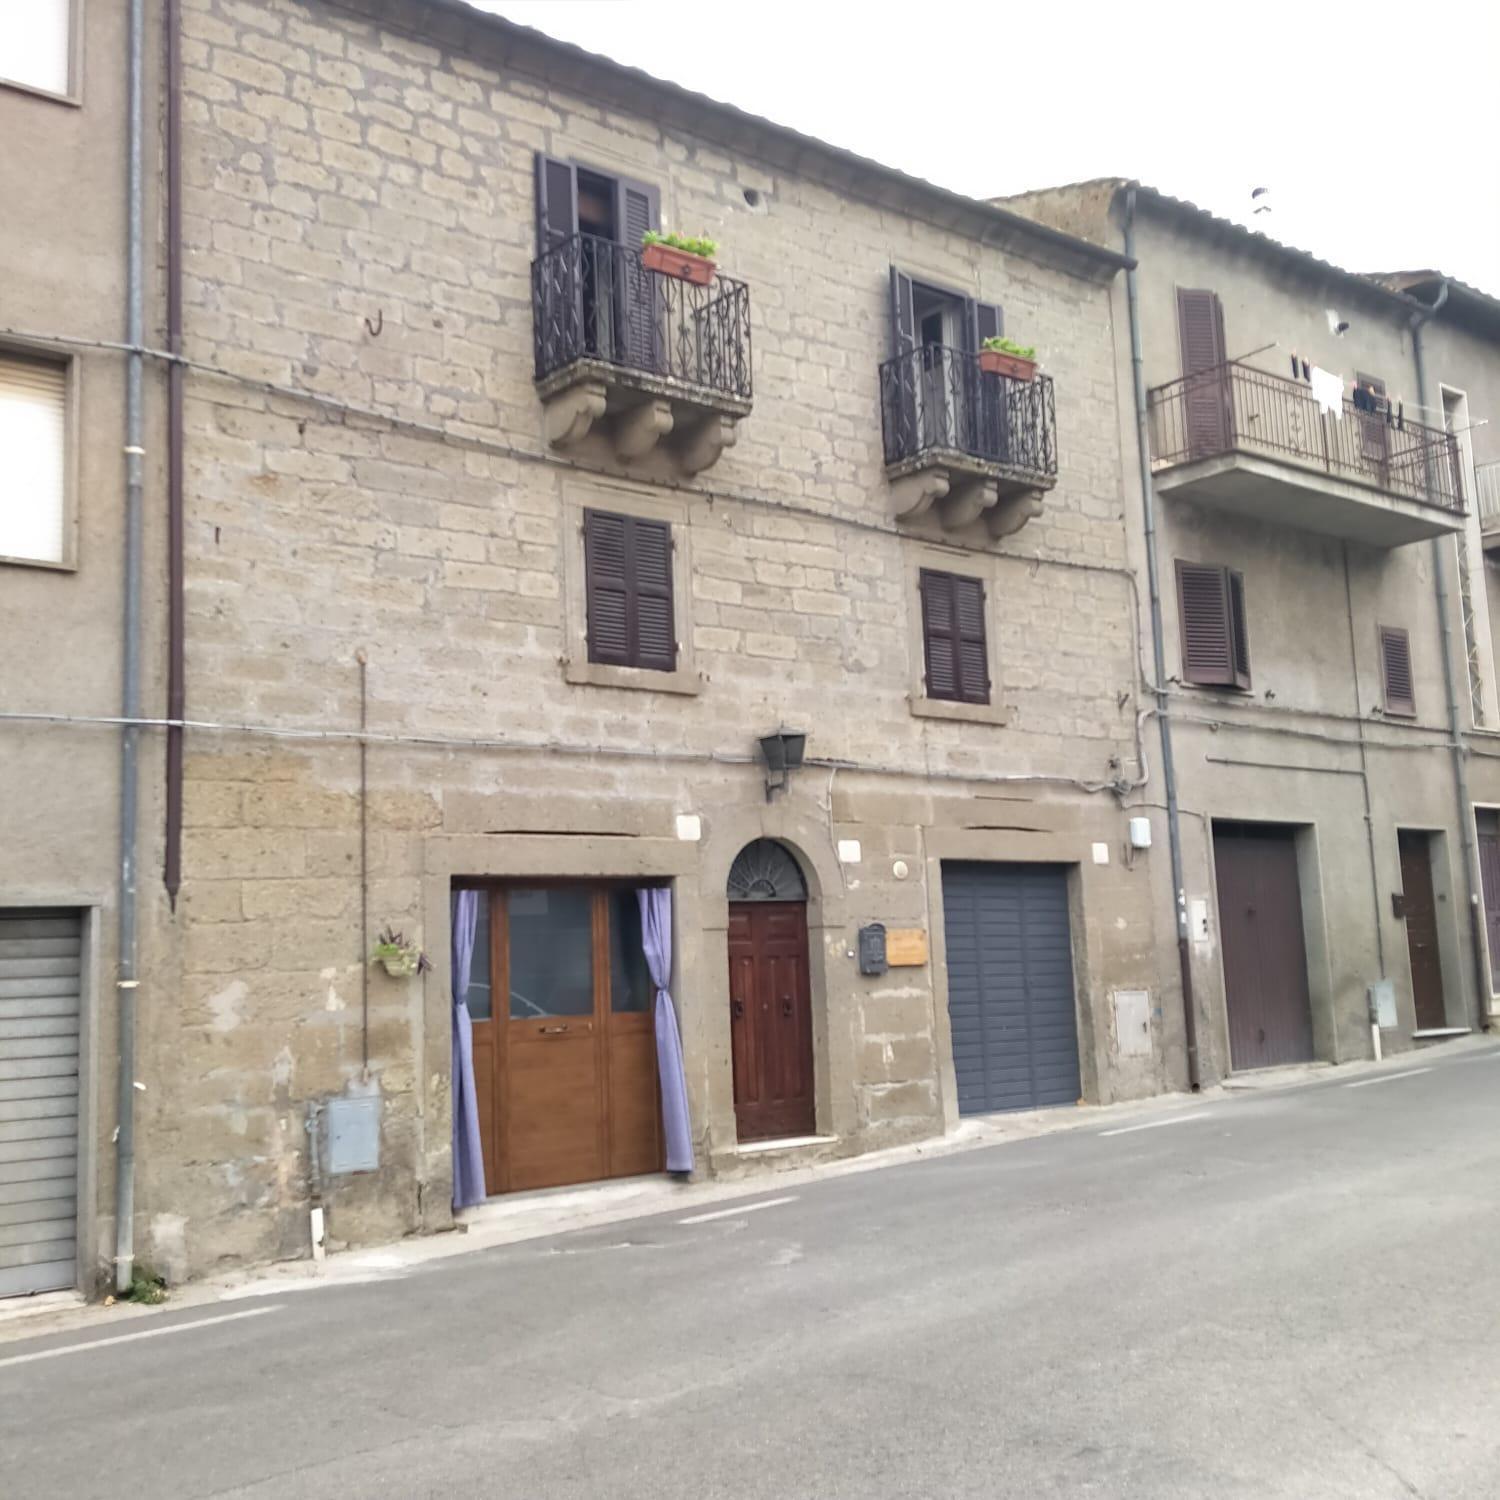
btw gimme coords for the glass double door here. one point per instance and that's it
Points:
(564, 1042)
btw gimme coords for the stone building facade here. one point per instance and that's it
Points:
(590, 626)
(389, 480)
(1324, 815)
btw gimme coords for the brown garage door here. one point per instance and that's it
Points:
(1420, 906)
(1265, 958)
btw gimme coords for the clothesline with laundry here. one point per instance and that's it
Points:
(1329, 390)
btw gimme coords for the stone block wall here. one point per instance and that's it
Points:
(367, 476)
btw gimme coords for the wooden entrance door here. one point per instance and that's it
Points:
(770, 1019)
(1420, 905)
(1265, 957)
(564, 1040)
(1488, 828)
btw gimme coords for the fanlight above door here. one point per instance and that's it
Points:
(766, 871)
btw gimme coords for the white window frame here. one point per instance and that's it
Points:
(72, 92)
(69, 365)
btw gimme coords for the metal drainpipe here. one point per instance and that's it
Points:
(1158, 652)
(130, 673)
(1455, 721)
(176, 647)
(1364, 770)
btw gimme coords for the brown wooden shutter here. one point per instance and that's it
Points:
(903, 315)
(556, 201)
(970, 644)
(898, 390)
(607, 586)
(938, 634)
(628, 584)
(954, 641)
(1395, 671)
(637, 210)
(650, 555)
(1200, 334)
(1206, 619)
(1200, 330)
(985, 321)
(1374, 440)
(990, 432)
(1239, 629)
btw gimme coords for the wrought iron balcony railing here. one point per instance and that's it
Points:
(593, 299)
(1236, 409)
(936, 398)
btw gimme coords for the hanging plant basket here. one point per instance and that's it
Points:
(399, 958)
(683, 264)
(399, 963)
(998, 362)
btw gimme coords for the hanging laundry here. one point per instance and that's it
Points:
(1294, 367)
(1328, 391)
(1305, 373)
(1401, 416)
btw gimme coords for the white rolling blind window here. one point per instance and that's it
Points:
(35, 43)
(33, 459)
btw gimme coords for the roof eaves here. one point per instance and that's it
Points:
(798, 151)
(1271, 248)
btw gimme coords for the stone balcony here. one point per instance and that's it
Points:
(1245, 441)
(648, 360)
(963, 444)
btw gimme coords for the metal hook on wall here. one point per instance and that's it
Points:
(374, 327)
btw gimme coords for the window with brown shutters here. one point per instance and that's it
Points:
(954, 641)
(628, 588)
(1215, 632)
(1207, 411)
(1395, 671)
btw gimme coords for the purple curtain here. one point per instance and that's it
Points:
(656, 937)
(468, 1155)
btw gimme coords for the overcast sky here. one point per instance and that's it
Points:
(1376, 127)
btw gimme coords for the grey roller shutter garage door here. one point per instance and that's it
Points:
(40, 987)
(1010, 986)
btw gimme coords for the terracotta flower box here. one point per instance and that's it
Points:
(998, 362)
(685, 266)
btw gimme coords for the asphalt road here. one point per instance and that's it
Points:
(1290, 1293)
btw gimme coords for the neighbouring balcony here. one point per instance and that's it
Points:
(648, 359)
(1239, 439)
(963, 443)
(1487, 495)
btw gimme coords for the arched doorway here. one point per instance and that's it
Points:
(770, 1000)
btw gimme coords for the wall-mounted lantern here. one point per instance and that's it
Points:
(782, 753)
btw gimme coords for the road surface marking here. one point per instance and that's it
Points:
(145, 1333)
(734, 1213)
(1197, 1114)
(1364, 1083)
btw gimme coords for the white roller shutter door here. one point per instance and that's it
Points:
(40, 992)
